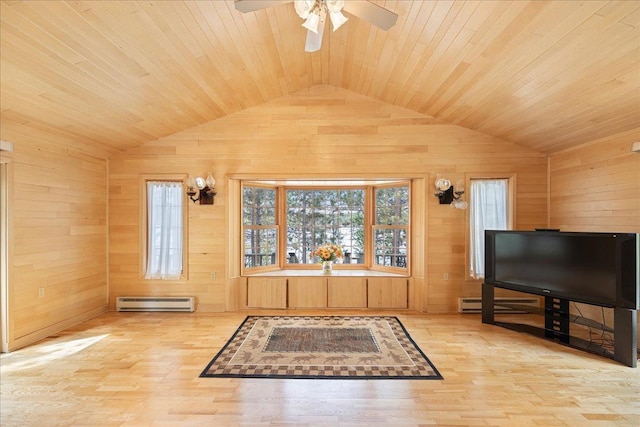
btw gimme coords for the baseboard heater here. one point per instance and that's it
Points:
(155, 304)
(501, 305)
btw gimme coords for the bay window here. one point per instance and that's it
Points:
(284, 222)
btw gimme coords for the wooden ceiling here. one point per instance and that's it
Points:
(115, 74)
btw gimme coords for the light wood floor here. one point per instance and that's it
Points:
(141, 369)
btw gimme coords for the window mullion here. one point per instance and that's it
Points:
(368, 231)
(281, 222)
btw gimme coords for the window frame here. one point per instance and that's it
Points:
(144, 226)
(369, 212)
(511, 213)
(406, 227)
(262, 268)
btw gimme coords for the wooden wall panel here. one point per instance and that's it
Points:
(58, 263)
(266, 292)
(347, 292)
(307, 292)
(319, 132)
(387, 292)
(596, 187)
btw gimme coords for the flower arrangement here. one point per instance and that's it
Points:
(328, 252)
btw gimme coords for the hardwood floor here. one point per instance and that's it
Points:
(141, 369)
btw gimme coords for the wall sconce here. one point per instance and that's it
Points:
(448, 195)
(205, 189)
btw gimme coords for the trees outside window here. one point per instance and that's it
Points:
(391, 226)
(259, 212)
(318, 216)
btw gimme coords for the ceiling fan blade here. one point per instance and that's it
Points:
(314, 40)
(245, 6)
(371, 12)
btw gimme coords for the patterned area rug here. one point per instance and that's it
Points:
(338, 347)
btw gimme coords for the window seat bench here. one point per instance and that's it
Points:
(341, 289)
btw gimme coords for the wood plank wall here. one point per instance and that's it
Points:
(58, 241)
(322, 131)
(596, 187)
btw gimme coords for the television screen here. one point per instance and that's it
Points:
(598, 268)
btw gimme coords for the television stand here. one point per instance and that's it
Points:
(557, 324)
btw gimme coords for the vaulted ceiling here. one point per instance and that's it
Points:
(548, 75)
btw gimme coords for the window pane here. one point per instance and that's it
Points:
(319, 216)
(390, 247)
(260, 247)
(392, 205)
(165, 230)
(260, 232)
(258, 206)
(487, 211)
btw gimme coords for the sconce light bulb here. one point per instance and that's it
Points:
(211, 182)
(443, 184)
(191, 183)
(200, 182)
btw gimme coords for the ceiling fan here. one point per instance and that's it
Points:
(315, 12)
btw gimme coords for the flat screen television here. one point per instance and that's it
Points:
(594, 268)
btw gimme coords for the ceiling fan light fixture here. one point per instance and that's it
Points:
(314, 13)
(312, 22)
(337, 19)
(304, 7)
(334, 5)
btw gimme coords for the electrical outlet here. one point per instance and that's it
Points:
(40, 292)
(446, 276)
(213, 275)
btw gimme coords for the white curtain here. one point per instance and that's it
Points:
(488, 211)
(165, 234)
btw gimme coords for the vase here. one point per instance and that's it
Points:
(327, 267)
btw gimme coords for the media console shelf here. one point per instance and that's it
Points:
(557, 327)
